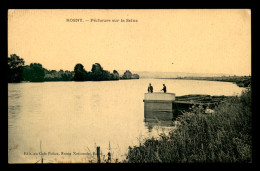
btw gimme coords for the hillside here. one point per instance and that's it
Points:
(147, 74)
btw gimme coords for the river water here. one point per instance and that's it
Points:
(66, 121)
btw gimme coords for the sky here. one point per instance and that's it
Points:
(166, 40)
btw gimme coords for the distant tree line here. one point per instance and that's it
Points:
(97, 73)
(34, 72)
(129, 75)
(241, 81)
(53, 75)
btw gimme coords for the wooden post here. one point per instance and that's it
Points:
(41, 151)
(98, 154)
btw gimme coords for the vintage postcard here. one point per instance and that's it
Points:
(129, 86)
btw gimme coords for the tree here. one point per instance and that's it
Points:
(15, 64)
(115, 75)
(127, 75)
(65, 77)
(26, 73)
(97, 72)
(105, 75)
(135, 76)
(36, 72)
(80, 73)
(96, 67)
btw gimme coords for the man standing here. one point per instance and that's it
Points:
(150, 88)
(164, 88)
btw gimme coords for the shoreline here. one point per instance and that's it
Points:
(240, 81)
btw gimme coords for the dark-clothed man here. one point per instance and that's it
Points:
(150, 88)
(164, 88)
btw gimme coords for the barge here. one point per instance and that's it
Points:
(167, 106)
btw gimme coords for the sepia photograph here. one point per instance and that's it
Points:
(129, 86)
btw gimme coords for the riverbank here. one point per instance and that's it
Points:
(241, 81)
(222, 136)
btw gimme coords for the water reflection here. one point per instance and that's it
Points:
(14, 105)
(151, 124)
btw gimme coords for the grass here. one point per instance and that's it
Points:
(223, 136)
